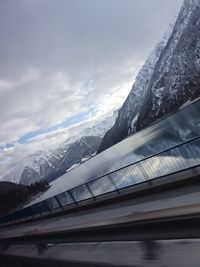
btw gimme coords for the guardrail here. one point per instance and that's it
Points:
(180, 157)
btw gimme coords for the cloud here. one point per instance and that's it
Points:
(32, 105)
(37, 101)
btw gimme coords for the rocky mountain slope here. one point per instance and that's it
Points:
(51, 164)
(76, 154)
(168, 79)
(33, 167)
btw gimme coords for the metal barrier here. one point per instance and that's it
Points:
(169, 161)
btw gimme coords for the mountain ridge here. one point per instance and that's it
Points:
(50, 163)
(167, 80)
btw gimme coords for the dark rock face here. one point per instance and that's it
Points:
(169, 78)
(8, 186)
(176, 79)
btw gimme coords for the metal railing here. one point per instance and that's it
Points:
(169, 161)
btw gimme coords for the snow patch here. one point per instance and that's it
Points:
(73, 166)
(133, 123)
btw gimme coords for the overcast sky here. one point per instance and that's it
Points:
(69, 62)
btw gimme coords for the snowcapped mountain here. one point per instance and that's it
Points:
(168, 79)
(103, 126)
(51, 164)
(33, 167)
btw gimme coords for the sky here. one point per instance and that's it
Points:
(66, 65)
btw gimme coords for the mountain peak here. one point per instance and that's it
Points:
(168, 79)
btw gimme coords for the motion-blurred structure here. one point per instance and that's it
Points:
(144, 202)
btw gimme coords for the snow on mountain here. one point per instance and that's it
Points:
(103, 126)
(34, 166)
(177, 70)
(168, 79)
(51, 163)
(128, 114)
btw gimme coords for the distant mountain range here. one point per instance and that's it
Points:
(52, 163)
(169, 78)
